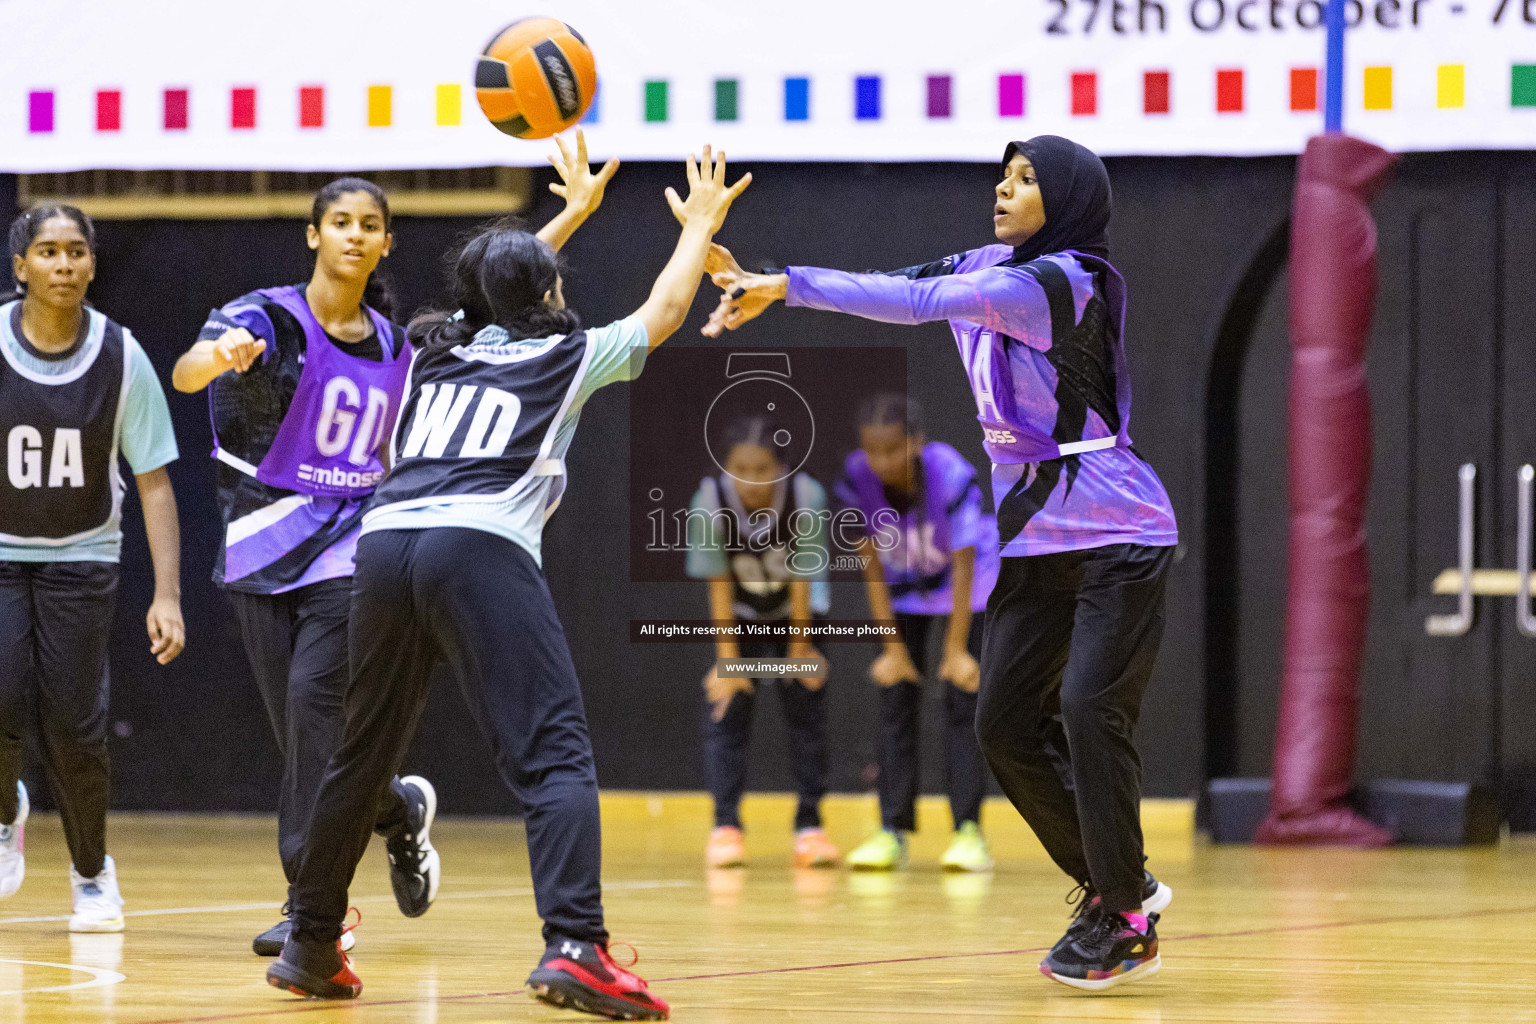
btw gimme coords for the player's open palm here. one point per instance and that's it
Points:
(709, 197)
(578, 186)
(743, 296)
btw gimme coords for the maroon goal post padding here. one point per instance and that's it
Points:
(1332, 297)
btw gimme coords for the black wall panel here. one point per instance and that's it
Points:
(1188, 235)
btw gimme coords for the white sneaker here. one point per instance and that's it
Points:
(13, 866)
(98, 904)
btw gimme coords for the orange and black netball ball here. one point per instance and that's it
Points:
(535, 78)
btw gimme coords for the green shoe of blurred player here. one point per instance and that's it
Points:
(968, 850)
(883, 851)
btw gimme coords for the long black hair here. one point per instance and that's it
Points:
(24, 231)
(377, 292)
(499, 276)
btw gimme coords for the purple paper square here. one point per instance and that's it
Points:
(40, 111)
(939, 95)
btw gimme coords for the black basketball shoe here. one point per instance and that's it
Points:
(270, 942)
(1155, 897)
(1111, 951)
(414, 867)
(319, 970)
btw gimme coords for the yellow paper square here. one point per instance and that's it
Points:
(450, 104)
(380, 106)
(1378, 88)
(1451, 86)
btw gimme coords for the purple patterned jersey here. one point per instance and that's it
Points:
(940, 515)
(296, 438)
(1042, 348)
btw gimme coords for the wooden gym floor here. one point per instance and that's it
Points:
(1256, 936)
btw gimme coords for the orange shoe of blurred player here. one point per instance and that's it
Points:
(725, 848)
(814, 850)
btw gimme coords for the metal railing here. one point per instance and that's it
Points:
(249, 195)
(1467, 581)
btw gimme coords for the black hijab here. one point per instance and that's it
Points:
(1075, 189)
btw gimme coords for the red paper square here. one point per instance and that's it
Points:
(1229, 91)
(1085, 93)
(312, 106)
(176, 110)
(242, 108)
(109, 110)
(1155, 92)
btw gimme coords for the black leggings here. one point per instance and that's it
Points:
(1070, 642)
(726, 742)
(965, 773)
(55, 621)
(479, 603)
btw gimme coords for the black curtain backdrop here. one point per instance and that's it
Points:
(1186, 232)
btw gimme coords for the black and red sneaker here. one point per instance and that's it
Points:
(582, 976)
(319, 970)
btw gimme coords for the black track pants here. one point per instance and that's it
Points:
(727, 741)
(55, 622)
(480, 604)
(1070, 642)
(965, 772)
(296, 643)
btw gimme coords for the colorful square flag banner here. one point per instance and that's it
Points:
(205, 86)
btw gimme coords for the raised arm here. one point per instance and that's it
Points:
(579, 187)
(702, 214)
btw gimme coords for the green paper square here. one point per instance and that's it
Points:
(725, 99)
(656, 101)
(1522, 85)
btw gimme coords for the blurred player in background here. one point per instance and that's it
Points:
(1087, 530)
(744, 528)
(449, 571)
(931, 557)
(75, 391)
(304, 384)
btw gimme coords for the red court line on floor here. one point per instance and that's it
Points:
(1242, 933)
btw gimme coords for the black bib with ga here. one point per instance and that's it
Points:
(757, 548)
(477, 419)
(61, 475)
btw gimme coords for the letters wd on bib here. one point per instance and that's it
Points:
(1124, 77)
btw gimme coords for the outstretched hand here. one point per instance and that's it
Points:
(709, 198)
(743, 295)
(578, 186)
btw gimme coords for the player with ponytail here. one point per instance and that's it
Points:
(304, 383)
(450, 575)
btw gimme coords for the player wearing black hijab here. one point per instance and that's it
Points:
(1087, 531)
